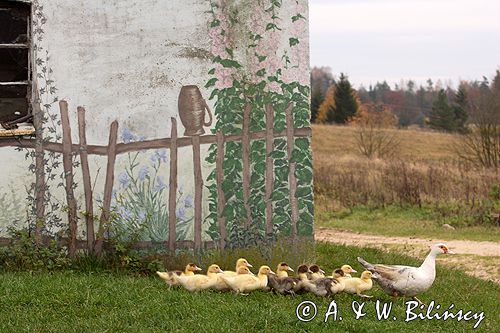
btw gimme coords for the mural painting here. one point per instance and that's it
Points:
(198, 143)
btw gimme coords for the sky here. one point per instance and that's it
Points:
(376, 40)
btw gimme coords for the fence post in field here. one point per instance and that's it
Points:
(172, 191)
(87, 184)
(108, 186)
(246, 161)
(39, 167)
(292, 180)
(269, 167)
(68, 176)
(198, 192)
(221, 200)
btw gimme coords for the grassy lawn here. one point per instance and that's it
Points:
(100, 302)
(397, 221)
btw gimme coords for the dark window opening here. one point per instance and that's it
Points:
(15, 64)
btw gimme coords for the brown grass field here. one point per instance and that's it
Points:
(416, 144)
(423, 182)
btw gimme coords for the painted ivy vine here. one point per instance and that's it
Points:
(47, 98)
(259, 75)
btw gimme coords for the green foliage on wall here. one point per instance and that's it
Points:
(267, 78)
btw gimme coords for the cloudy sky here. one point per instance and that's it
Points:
(375, 40)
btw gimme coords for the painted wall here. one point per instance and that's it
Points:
(127, 61)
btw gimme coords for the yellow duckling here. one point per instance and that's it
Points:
(347, 269)
(221, 284)
(282, 270)
(359, 285)
(239, 263)
(188, 271)
(199, 282)
(317, 272)
(245, 283)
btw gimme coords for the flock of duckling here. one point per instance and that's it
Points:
(394, 280)
(309, 279)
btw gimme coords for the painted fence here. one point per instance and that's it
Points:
(95, 240)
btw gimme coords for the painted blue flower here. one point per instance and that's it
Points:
(159, 155)
(125, 213)
(128, 136)
(188, 201)
(124, 180)
(142, 216)
(143, 172)
(180, 213)
(160, 185)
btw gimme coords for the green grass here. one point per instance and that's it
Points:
(100, 302)
(408, 221)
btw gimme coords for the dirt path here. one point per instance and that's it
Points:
(480, 259)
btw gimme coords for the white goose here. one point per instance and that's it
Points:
(397, 280)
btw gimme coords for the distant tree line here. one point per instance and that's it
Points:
(334, 100)
(472, 110)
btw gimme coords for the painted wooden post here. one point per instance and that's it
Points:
(269, 167)
(68, 176)
(292, 179)
(221, 200)
(108, 186)
(87, 184)
(198, 192)
(246, 162)
(39, 167)
(172, 191)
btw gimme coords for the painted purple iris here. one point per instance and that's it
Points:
(143, 172)
(188, 201)
(128, 136)
(159, 155)
(160, 185)
(124, 180)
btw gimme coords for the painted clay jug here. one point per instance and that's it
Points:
(192, 109)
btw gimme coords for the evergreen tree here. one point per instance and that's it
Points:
(346, 105)
(460, 110)
(316, 100)
(442, 116)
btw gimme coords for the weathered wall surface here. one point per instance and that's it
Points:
(127, 61)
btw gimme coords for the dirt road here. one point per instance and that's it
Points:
(480, 259)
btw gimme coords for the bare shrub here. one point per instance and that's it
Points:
(481, 144)
(373, 137)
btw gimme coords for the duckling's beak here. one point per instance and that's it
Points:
(220, 271)
(270, 271)
(248, 265)
(449, 252)
(290, 269)
(196, 268)
(354, 271)
(321, 271)
(251, 273)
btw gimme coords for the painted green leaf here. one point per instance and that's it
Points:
(211, 82)
(277, 154)
(261, 72)
(228, 63)
(294, 41)
(302, 191)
